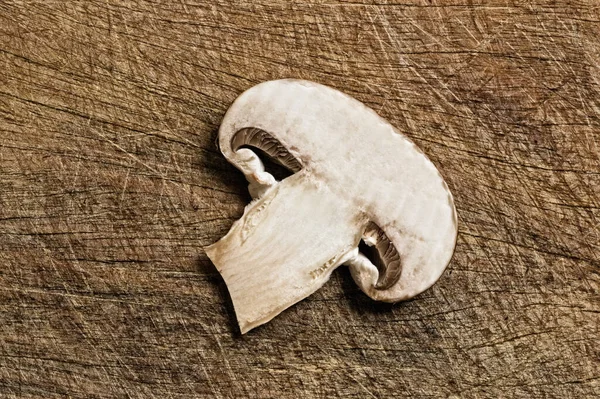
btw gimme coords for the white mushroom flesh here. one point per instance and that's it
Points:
(356, 177)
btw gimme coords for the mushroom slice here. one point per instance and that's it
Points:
(355, 178)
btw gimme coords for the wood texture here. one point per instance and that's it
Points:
(111, 185)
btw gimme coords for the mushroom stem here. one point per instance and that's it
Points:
(363, 271)
(254, 170)
(272, 258)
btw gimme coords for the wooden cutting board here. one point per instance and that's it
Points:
(111, 185)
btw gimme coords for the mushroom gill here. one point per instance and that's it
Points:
(383, 254)
(266, 142)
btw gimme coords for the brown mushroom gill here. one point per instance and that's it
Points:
(383, 254)
(264, 141)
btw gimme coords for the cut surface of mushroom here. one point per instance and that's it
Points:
(355, 178)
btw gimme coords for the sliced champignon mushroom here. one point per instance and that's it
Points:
(356, 178)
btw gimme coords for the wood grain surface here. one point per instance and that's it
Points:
(111, 185)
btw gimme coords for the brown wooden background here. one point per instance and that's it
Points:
(111, 185)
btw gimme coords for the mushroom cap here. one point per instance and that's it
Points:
(345, 145)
